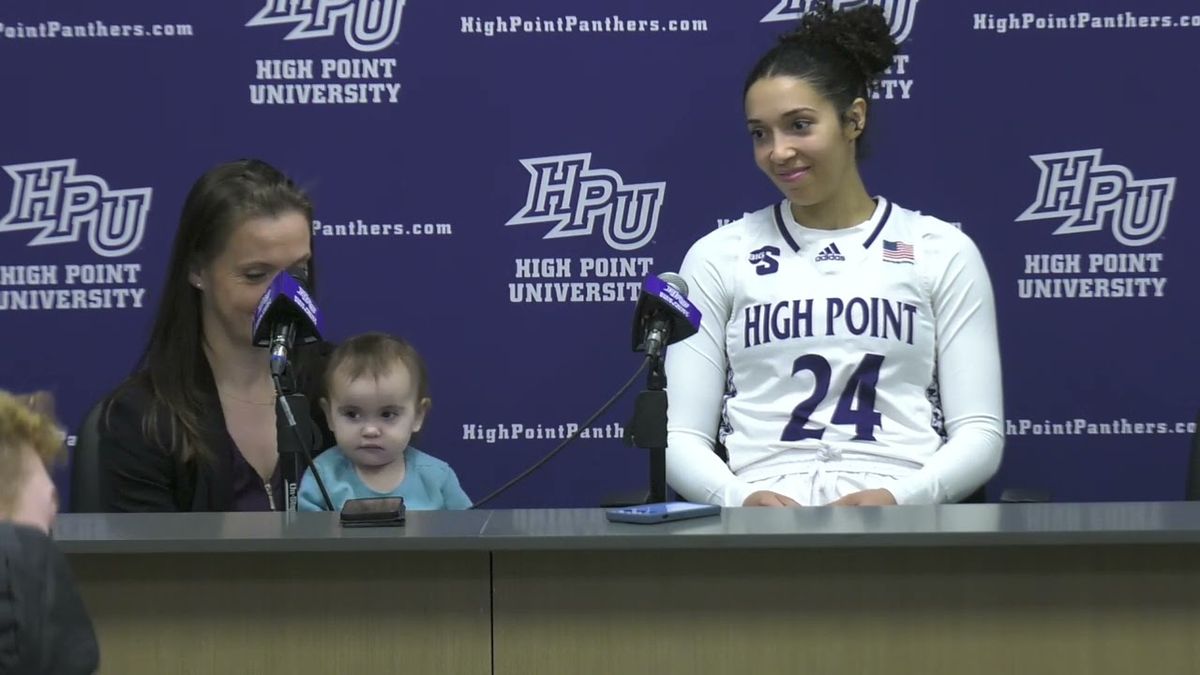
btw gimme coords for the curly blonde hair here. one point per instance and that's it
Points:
(22, 428)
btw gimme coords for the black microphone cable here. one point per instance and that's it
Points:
(586, 425)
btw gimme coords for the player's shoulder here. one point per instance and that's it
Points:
(728, 240)
(931, 231)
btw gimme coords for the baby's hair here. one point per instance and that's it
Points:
(375, 354)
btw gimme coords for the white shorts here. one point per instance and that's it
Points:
(831, 474)
(822, 487)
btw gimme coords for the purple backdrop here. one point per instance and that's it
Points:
(508, 180)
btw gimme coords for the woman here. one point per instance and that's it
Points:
(194, 428)
(848, 349)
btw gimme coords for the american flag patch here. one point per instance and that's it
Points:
(897, 251)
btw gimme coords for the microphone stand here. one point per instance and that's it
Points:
(291, 415)
(293, 423)
(648, 427)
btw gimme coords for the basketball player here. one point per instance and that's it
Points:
(847, 353)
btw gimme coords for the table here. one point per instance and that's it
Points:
(976, 588)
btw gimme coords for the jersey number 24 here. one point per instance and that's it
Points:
(855, 406)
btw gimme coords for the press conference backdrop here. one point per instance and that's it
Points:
(495, 183)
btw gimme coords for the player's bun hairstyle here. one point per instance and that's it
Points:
(842, 54)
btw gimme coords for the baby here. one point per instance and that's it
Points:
(377, 396)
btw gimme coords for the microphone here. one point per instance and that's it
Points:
(663, 315)
(286, 314)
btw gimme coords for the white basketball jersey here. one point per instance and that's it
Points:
(829, 339)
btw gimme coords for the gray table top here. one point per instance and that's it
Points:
(587, 529)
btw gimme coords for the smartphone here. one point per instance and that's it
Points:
(373, 512)
(649, 514)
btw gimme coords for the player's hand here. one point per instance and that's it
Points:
(768, 498)
(878, 497)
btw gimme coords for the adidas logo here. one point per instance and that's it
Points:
(830, 252)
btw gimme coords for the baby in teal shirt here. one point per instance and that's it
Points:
(377, 396)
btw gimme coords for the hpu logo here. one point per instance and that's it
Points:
(1076, 186)
(899, 13)
(567, 191)
(370, 25)
(764, 260)
(51, 197)
(830, 252)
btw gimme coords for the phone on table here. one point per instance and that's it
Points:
(373, 512)
(665, 512)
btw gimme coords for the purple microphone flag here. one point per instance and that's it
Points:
(665, 292)
(286, 296)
